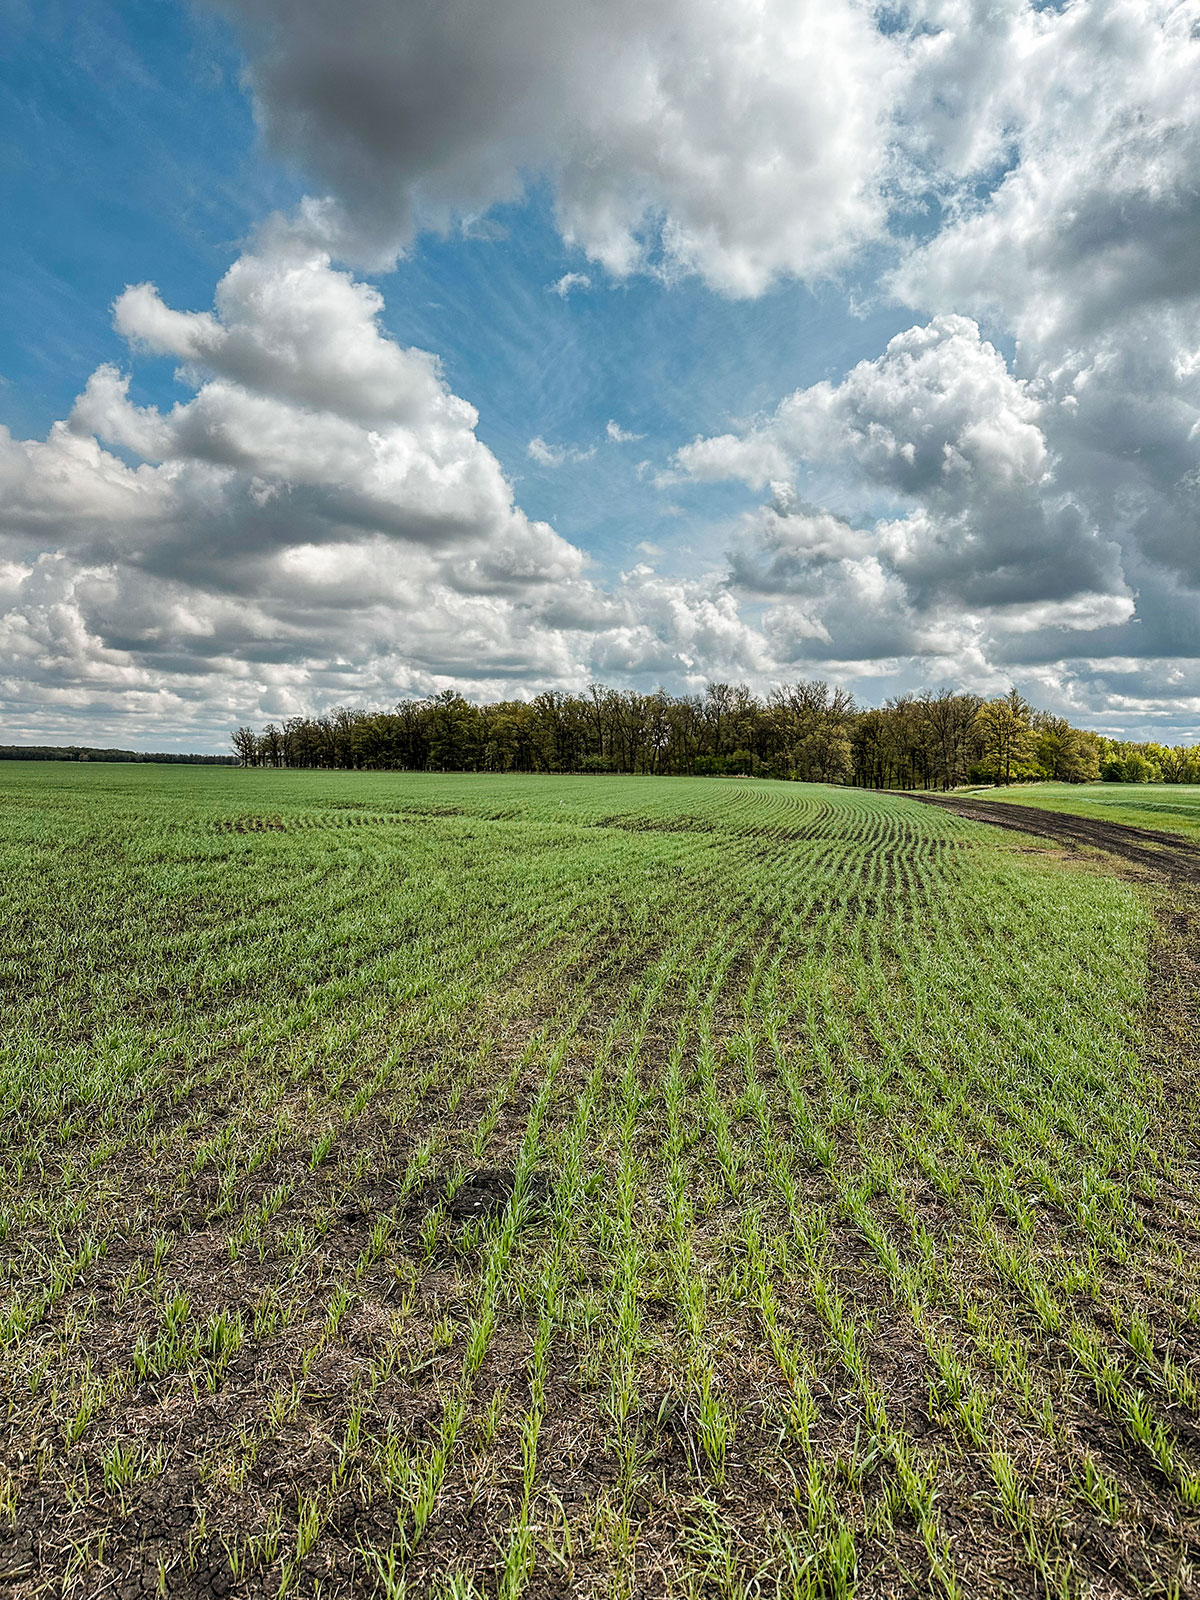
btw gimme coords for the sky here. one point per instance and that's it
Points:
(355, 353)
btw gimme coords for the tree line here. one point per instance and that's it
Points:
(806, 731)
(87, 752)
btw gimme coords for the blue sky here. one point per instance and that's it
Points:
(106, 182)
(128, 152)
(878, 394)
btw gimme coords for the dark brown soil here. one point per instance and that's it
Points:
(1176, 860)
(482, 1194)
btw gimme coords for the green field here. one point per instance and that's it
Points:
(1170, 807)
(455, 1186)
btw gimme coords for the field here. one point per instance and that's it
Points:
(1171, 807)
(460, 1186)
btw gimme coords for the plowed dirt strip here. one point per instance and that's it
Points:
(1177, 860)
(479, 1187)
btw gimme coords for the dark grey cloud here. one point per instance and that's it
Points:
(737, 144)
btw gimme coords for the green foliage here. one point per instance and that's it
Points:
(1131, 768)
(1062, 753)
(740, 764)
(1122, 762)
(805, 731)
(1005, 736)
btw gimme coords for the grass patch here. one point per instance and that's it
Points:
(1171, 807)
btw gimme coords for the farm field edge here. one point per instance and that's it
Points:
(466, 1185)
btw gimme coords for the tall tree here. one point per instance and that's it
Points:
(1004, 734)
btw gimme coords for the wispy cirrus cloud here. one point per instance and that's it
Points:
(616, 434)
(557, 455)
(569, 281)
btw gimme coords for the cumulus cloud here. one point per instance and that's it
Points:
(321, 499)
(661, 629)
(1071, 175)
(939, 407)
(785, 543)
(1094, 113)
(316, 521)
(319, 513)
(736, 142)
(952, 519)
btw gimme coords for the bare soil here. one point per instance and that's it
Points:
(1175, 860)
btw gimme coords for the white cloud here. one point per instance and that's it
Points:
(668, 630)
(1084, 248)
(289, 327)
(557, 455)
(619, 435)
(546, 455)
(316, 522)
(1096, 109)
(939, 406)
(950, 521)
(319, 508)
(739, 142)
(570, 280)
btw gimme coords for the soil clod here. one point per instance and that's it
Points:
(484, 1193)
